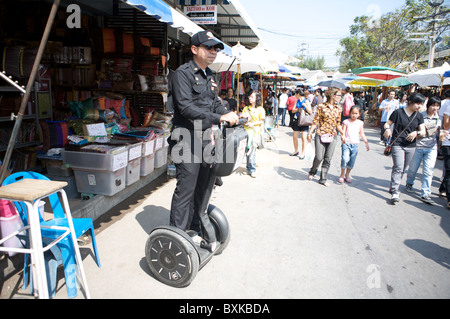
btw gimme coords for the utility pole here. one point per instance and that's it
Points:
(302, 49)
(437, 6)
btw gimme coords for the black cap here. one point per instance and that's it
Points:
(206, 38)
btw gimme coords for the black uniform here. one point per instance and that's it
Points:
(194, 94)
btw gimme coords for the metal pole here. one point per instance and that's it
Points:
(29, 87)
(432, 40)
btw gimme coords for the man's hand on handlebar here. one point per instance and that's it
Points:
(231, 118)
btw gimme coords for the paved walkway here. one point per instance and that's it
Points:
(291, 238)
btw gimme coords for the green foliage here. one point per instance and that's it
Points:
(312, 63)
(386, 40)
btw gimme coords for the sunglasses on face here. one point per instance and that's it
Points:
(209, 47)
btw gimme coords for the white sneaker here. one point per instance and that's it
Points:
(395, 198)
(253, 174)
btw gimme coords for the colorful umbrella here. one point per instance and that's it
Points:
(332, 84)
(365, 82)
(401, 81)
(373, 68)
(384, 75)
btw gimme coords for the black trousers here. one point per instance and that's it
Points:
(445, 185)
(193, 183)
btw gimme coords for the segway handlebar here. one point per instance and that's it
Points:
(242, 121)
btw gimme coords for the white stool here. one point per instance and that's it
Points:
(30, 191)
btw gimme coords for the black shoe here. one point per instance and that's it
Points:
(427, 200)
(409, 188)
(294, 154)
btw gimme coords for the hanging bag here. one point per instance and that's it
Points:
(305, 119)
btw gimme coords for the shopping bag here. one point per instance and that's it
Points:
(309, 152)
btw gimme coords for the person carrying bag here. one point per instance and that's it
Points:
(408, 125)
(328, 121)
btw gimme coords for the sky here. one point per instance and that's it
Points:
(315, 26)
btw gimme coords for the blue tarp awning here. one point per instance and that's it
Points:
(200, 2)
(158, 9)
(161, 11)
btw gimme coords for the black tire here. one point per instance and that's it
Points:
(171, 258)
(221, 227)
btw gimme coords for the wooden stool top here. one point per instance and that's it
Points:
(30, 189)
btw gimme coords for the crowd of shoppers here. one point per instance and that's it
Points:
(410, 124)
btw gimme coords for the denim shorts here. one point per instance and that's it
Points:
(349, 153)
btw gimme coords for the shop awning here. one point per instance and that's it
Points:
(234, 24)
(164, 13)
(200, 2)
(158, 9)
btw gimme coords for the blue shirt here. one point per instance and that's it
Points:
(393, 105)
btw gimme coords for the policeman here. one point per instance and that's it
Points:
(196, 109)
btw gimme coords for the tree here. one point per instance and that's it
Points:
(386, 41)
(311, 63)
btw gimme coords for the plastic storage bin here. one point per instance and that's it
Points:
(161, 157)
(112, 161)
(58, 168)
(133, 171)
(71, 188)
(159, 143)
(106, 183)
(147, 164)
(134, 151)
(148, 148)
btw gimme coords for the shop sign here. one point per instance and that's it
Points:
(202, 14)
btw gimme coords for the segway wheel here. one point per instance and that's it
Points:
(171, 258)
(221, 227)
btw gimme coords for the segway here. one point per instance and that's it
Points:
(174, 258)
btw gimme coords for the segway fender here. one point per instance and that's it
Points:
(220, 222)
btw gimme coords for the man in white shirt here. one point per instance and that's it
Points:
(444, 111)
(387, 106)
(444, 104)
(282, 106)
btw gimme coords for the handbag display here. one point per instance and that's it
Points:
(305, 119)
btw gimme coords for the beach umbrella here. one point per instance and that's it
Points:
(284, 68)
(373, 68)
(246, 61)
(332, 84)
(430, 77)
(284, 76)
(266, 57)
(401, 81)
(384, 75)
(365, 82)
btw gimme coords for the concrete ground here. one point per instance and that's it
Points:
(291, 238)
